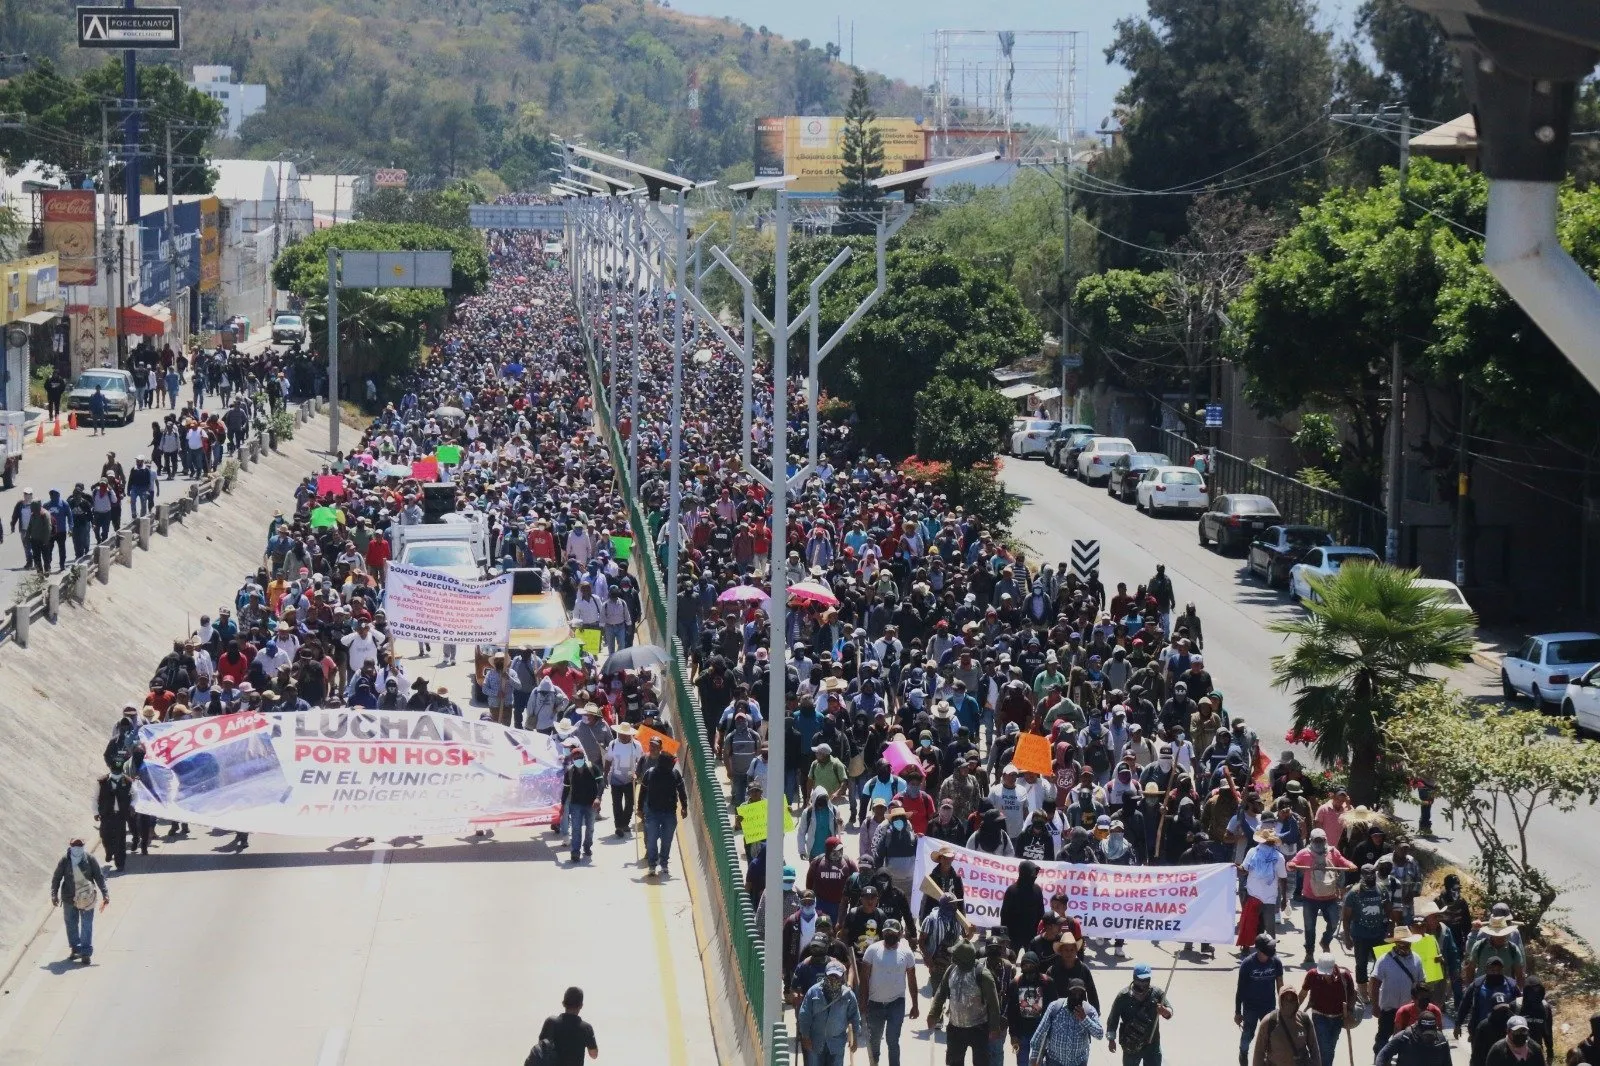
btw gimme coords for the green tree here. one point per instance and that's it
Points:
(303, 266)
(1219, 92)
(1494, 773)
(1130, 323)
(861, 152)
(933, 302)
(1371, 636)
(960, 421)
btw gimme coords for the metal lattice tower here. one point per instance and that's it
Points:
(1016, 90)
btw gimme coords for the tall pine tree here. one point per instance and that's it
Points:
(861, 150)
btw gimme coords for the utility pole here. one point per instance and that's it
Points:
(1066, 272)
(1463, 497)
(130, 128)
(172, 247)
(113, 315)
(333, 351)
(1391, 121)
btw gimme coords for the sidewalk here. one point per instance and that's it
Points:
(77, 455)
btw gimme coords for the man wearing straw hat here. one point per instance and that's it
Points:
(1494, 942)
(1393, 980)
(1264, 868)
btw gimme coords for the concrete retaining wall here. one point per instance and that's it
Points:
(60, 696)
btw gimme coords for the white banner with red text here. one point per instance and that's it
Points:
(1187, 903)
(431, 606)
(347, 773)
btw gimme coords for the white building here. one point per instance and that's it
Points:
(239, 100)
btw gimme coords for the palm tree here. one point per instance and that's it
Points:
(1371, 634)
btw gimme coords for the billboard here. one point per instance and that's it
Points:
(69, 232)
(210, 244)
(168, 257)
(809, 147)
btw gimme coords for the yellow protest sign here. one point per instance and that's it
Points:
(1426, 950)
(753, 821)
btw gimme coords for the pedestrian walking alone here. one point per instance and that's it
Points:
(566, 1037)
(76, 887)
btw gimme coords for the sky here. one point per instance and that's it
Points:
(894, 37)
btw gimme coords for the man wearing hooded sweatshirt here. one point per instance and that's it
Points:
(829, 1019)
(661, 797)
(113, 808)
(77, 884)
(1023, 904)
(969, 992)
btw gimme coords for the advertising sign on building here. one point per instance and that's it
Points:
(169, 257)
(210, 244)
(389, 178)
(69, 232)
(810, 148)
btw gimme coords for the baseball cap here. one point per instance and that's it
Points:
(1142, 972)
(1517, 1021)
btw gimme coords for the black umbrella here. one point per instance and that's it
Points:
(638, 657)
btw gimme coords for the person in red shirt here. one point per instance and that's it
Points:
(541, 544)
(1330, 993)
(918, 804)
(232, 665)
(566, 678)
(377, 556)
(827, 877)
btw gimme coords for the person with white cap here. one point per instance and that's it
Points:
(830, 1019)
(1329, 993)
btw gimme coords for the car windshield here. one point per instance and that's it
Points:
(439, 555)
(106, 382)
(1338, 559)
(1571, 652)
(1041, 427)
(1182, 477)
(1080, 439)
(537, 614)
(1144, 460)
(288, 320)
(1308, 538)
(1253, 505)
(1114, 447)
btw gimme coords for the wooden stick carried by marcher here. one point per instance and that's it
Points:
(1171, 972)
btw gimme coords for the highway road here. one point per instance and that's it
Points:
(1236, 610)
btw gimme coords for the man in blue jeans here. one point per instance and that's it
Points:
(581, 799)
(76, 886)
(1320, 868)
(888, 974)
(661, 797)
(1260, 980)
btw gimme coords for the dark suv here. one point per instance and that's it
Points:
(1126, 470)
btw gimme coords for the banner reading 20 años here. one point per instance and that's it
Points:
(1186, 903)
(347, 773)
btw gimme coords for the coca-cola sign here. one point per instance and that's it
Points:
(69, 231)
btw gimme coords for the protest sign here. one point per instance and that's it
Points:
(425, 469)
(329, 485)
(448, 454)
(1426, 951)
(1033, 755)
(899, 755)
(668, 745)
(324, 517)
(344, 772)
(753, 821)
(430, 605)
(1184, 903)
(622, 548)
(590, 639)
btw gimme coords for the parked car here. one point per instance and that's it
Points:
(1581, 702)
(1323, 563)
(1449, 595)
(1235, 519)
(1545, 664)
(288, 329)
(1280, 547)
(1171, 488)
(1094, 462)
(1063, 434)
(1067, 453)
(115, 385)
(1126, 470)
(1033, 438)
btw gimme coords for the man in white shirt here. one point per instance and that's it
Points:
(889, 975)
(617, 618)
(623, 757)
(1010, 799)
(586, 608)
(362, 646)
(579, 546)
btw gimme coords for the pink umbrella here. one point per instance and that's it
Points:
(813, 592)
(742, 594)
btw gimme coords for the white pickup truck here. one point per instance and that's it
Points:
(458, 545)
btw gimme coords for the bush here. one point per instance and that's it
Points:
(833, 409)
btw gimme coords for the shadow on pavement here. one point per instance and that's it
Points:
(503, 851)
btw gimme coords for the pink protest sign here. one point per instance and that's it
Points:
(899, 756)
(329, 485)
(425, 469)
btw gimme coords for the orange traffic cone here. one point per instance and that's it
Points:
(39, 437)
(56, 432)
(72, 420)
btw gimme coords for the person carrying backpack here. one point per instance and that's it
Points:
(970, 993)
(77, 885)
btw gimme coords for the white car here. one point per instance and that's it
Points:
(1171, 488)
(1582, 701)
(1032, 437)
(1094, 462)
(1323, 563)
(1544, 665)
(1449, 595)
(288, 329)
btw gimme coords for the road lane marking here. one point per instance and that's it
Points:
(377, 869)
(332, 1050)
(677, 1053)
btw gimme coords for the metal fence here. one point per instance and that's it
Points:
(1349, 520)
(72, 584)
(695, 756)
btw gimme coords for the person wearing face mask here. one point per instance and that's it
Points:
(1393, 980)
(799, 930)
(1137, 1013)
(1517, 1048)
(1285, 1037)
(1318, 865)
(969, 992)
(827, 876)
(113, 809)
(830, 1019)
(580, 798)
(1364, 920)
(76, 886)
(896, 850)
(1023, 904)
(889, 976)
(1423, 1044)
(1067, 1030)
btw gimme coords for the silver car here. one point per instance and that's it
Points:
(115, 385)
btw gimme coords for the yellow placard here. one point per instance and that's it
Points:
(1427, 950)
(753, 821)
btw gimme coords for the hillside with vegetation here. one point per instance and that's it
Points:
(450, 88)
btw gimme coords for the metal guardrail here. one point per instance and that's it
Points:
(1349, 520)
(72, 584)
(701, 775)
